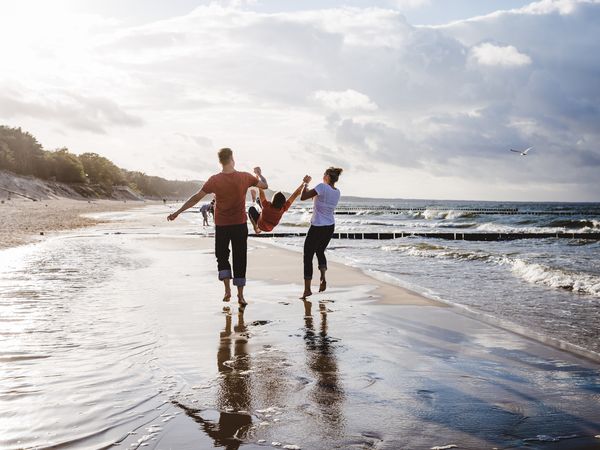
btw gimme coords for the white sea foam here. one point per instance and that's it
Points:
(556, 278)
(531, 272)
(547, 438)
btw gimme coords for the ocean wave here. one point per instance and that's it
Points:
(295, 224)
(531, 272)
(556, 278)
(574, 224)
(502, 228)
(426, 250)
(554, 226)
(451, 214)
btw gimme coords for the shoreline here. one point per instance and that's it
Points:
(84, 214)
(277, 264)
(25, 222)
(382, 292)
(408, 297)
(169, 365)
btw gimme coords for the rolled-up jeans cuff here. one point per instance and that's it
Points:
(239, 282)
(323, 267)
(224, 274)
(308, 278)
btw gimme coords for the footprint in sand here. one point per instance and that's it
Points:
(371, 379)
(426, 395)
(257, 323)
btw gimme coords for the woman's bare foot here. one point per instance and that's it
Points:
(242, 301)
(307, 289)
(227, 296)
(323, 281)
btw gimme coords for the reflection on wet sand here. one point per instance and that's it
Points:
(328, 393)
(234, 394)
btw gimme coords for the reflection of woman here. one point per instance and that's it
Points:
(326, 197)
(321, 360)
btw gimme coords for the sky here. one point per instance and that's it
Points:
(412, 98)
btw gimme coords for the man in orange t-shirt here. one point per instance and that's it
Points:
(229, 187)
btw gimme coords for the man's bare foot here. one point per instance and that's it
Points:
(242, 301)
(306, 294)
(323, 285)
(227, 296)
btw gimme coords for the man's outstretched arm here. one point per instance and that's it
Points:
(262, 196)
(188, 204)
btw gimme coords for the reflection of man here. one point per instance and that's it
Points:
(234, 394)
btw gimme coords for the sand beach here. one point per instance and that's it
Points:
(23, 221)
(115, 336)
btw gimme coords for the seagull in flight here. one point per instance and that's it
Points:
(522, 153)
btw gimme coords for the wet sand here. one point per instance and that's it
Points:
(117, 334)
(23, 221)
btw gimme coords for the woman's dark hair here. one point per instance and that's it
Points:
(334, 174)
(278, 200)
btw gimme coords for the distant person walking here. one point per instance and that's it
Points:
(229, 187)
(271, 211)
(326, 197)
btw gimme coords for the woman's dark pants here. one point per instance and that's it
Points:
(317, 240)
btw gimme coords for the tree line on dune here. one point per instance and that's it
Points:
(21, 153)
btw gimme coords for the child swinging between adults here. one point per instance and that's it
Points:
(229, 187)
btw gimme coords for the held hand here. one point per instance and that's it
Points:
(172, 216)
(307, 179)
(257, 171)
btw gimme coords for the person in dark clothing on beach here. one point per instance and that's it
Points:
(205, 209)
(229, 187)
(326, 197)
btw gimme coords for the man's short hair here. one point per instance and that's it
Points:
(225, 155)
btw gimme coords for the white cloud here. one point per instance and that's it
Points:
(410, 4)
(345, 100)
(488, 54)
(551, 6)
(354, 86)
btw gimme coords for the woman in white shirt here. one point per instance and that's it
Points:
(326, 197)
